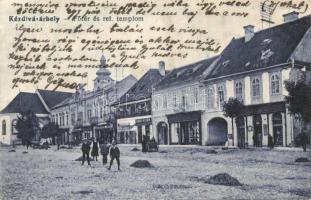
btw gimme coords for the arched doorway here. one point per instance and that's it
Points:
(240, 122)
(257, 137)
(218, 131)
(162, 132)
(277, 129)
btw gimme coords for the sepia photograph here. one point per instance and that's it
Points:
(168, 99)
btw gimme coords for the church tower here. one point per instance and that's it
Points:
(103, 75)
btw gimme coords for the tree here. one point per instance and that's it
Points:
(50, 130)
(233, 108)
(299, 104)
(27, 126)
(299, 99)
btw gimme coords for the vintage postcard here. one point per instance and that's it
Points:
(143, 99)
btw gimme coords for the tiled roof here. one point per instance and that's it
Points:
(24, 102)
(52, 98)
(143, 87)
(186, 73)
(266, 48)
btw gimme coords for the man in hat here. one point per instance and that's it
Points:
(114, 154)
(86, 146)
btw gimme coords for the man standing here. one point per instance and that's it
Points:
(114, 154)
(86, 146)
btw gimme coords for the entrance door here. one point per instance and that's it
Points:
(241, 132)
(257, 137)
(162, 133)
(217, 131)
(277, 129)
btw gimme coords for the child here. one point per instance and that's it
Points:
(114, 154)
(104, 150)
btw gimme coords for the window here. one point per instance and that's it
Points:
(239, 90)
(56, 119)
(275, 84)
(73, 117)
(156, 104)
(67, 118)
(221, 95)
(184, 101)
(174, 99)
(3, 127)
(89, 114)
(196, 95)
(164, 101)
(101, 112)
(256, 87)
(210, 98)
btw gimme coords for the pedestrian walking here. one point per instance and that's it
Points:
(94, 152)
(86, 146)
(104, 150)
(114, 154)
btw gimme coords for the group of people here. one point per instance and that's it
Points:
(105, 150)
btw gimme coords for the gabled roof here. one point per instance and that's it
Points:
(188, 73)
(52, 98)
(143, 87)
(24, 102)
(266, 48)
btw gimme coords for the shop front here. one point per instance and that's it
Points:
(143, 128)
(104, 133)
(185, 128)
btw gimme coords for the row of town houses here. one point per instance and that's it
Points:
(183, 106)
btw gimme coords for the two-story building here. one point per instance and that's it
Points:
(90, 113)
(134, 108)
(178, 102)
(253, 69)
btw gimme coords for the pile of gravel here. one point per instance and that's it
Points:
(141, 164)
(302, 159)
(221, 179)
(135, 149)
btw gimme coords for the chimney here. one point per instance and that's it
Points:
(290, 16)
(162, 68)
(249, 32)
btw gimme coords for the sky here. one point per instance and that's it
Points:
(223, 29)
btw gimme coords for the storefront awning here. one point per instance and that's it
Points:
(264, 108)
(184, 117)
(144, 121)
